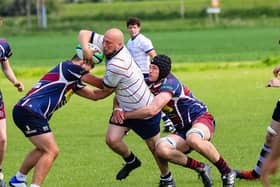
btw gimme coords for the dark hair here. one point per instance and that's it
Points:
(133, 21)
(75, 57)
(163, 63)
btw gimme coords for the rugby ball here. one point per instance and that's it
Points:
(97, 56)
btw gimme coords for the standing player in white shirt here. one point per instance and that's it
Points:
(142, 51)
(123, 77)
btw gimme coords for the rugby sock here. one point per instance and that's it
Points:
(167, 177)
(164, 116)
(256, 172)
(222, 166)
(193, 164)
(130, 158)
(34, 185)
(20, 176)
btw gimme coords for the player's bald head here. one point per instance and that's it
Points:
(115, 35)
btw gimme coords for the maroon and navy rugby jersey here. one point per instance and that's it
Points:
(53, 90)
(183, 109)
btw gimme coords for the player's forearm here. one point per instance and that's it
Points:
(9, 73)
(93, 80)
(141, 113)
(84, 37)
(101, 93)
(137, 114)
(93, 94)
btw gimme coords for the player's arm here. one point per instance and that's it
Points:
(118, 114)
(9, 73)
(94, 94)
(152, 109)
(93, 80)
(84, 38)
(152, 53)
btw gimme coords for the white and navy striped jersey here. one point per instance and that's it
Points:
(139, 47)
(124, 75)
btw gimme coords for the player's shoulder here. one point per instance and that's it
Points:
(142, 37)
(171, 79)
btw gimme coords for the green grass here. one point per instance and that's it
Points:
(157, 15)
(163, 8)
(236, 96)
(211, 45)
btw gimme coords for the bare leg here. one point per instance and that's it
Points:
(114, 139)
(3, 140)
(30, 161)
(45, 152)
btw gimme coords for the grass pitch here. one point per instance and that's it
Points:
(242, 107)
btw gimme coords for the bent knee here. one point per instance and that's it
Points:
(112, 142)
(162, 152)
(55, 151)
(164, 146)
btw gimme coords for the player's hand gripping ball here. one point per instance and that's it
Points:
(97, 56)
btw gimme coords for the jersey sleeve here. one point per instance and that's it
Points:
(147, 45)
(169, 85)
(97, 39)
(73, 72)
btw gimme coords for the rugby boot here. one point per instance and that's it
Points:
(247, 174)
(127, 168)
(205, 174)
(166, 183)
(229, 179)
(16, 183)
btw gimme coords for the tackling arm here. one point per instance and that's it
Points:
(93, 80)
(152, 109)
(95, 94)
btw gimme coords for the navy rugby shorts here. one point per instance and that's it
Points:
(29, 123)
(145, 128)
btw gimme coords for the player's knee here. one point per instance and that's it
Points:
(194, 136)
(56, 152)
(270, 135)
(163, 147)
(52, 152)
(111, 142)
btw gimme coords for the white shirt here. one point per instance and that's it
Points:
(97, 39)
(124, 75)
(138, 48)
